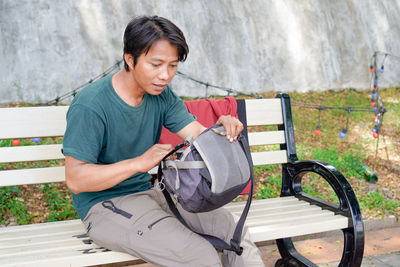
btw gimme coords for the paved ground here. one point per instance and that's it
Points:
(382, 248)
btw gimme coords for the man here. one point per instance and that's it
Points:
(111, 142)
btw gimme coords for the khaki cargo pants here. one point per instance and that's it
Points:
(142, 225)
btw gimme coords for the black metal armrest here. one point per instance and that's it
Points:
(348, 204)
(292, 174)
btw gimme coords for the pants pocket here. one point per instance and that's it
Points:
(108, 204)
(150, 226)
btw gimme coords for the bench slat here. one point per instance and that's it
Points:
(297, 228)
(263, 112)
(48, 226)
(63, 241)
(65, 256)
(57, 174)
(269, 157)
(10, 235)
(24, 236)
(262, 202)
(271, 211)
(25, 122)
(262, 211)
(32, 176)
(30, 153)
(312, 216)
(262, 219)
(266, 138)
(280, 202)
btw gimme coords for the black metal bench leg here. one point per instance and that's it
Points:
(350, 251)
(291, 257)
(353, 249)
(289, 254)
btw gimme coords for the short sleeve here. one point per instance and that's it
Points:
(84, 134)
(176, 116)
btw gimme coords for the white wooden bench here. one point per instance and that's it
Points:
(295, 213)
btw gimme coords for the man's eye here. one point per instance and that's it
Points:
(155, 65)
(174, 66)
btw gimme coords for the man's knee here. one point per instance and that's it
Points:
(205, 255)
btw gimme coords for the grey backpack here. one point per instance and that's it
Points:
(209, 173)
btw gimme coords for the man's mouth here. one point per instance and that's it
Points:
(159, 86)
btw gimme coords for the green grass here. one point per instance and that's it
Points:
(29, 142)
(349, 163)
(376, 201)
(13, 206)
(60, 207)
(271, 188)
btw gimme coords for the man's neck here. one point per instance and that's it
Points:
(127, 89)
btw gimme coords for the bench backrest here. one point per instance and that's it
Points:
(30, 122)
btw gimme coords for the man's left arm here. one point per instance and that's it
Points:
(232, 125)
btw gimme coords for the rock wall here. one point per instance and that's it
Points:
(49, 47)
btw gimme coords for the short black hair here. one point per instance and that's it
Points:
(142, 32)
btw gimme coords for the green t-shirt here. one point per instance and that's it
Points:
(103, 129)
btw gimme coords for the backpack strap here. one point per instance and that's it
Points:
(237, 235)
(175, 164)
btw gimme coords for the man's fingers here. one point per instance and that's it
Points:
(239, 129)
(236, 128)
(229, 131)
(232, 125)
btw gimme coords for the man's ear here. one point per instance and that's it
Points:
(129, 59)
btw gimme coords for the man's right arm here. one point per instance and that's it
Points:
(87, 177)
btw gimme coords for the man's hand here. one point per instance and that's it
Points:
(153, 156)
(233, 126)
(87, 177)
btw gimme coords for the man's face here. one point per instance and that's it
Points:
(154, 70)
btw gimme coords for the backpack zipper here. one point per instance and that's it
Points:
(108, 204)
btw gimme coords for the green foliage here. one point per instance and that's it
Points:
(271, 189)
(18, 90)
(375, 200)
(60, 207)
(29, 142)
(264, 169)
(316, 186)
(13, 206)
(5, 143)
(38, 99)
(349, 162)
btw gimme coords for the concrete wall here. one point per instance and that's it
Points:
(49, 47)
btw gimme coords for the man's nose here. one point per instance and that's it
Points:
(164, 75)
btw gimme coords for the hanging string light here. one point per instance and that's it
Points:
(16, 142)
(116, 66)
(343, 133)
(376, 101)
(229, 91)
(317, 130)
(73, 93)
